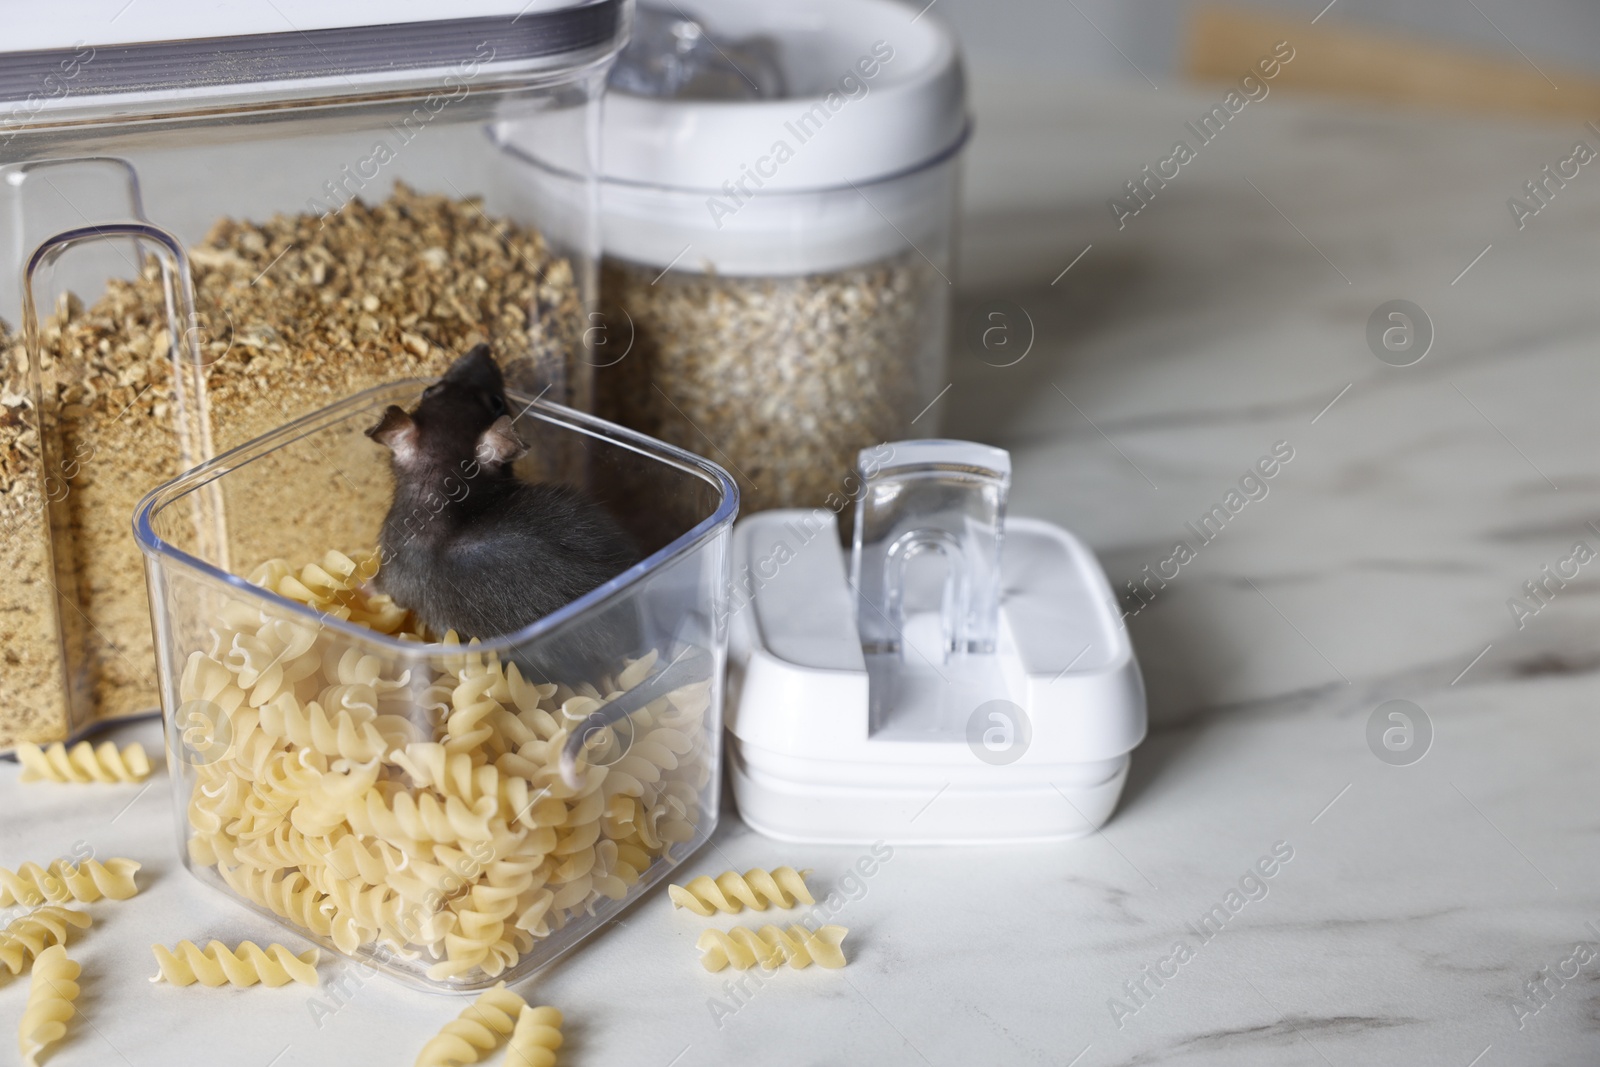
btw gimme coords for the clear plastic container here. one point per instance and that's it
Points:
(218, 219)
(405, 801)
(778, 211)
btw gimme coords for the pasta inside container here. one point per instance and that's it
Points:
(398, 797)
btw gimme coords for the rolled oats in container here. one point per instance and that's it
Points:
(777, 213)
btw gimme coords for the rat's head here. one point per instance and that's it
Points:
(462, 418)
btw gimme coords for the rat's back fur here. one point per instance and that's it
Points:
(467, 545)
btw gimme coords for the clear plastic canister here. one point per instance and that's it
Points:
(219, 219)
(778, 212)
(453, 813)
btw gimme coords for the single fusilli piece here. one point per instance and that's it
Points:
(51, 992)
(286, 893)
(83, 763)
(36, 931)
(477, 1030)
(770, 946)
(61, 882)
(732, 892)
(308, 725)
(218, 965)
(535, 1040)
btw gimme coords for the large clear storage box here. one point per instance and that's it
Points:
(215, 219)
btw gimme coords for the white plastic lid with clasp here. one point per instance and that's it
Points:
(928, 688)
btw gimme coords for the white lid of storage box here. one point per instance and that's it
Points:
(872, 90)
(799, 182)
(144, 59)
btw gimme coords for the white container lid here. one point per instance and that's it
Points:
(841, 124)
(874, 90)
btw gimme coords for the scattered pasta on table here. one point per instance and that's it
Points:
(63, 882)
(83, 762)
(732, 892)
(52, 988)
(217, 965)
(477, 1031)
(535, 1038)
(772, 946)
(27, 936)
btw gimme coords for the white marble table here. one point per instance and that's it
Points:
(1419, 899)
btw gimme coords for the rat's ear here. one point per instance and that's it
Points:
(396, 432)
(499, 444)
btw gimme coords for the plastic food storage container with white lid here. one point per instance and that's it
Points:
(777, 212)
(220, 217)
(405, 801)
(959, 676)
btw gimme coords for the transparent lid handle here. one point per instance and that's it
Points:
(939, 499)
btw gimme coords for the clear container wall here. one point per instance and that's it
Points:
(317, 248)
(403, 801)
(820, 327)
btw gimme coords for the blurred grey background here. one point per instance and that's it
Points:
(1063, 38)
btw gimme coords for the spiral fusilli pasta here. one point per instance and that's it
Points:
(36, 931)
(83, 762)
(340, 735)
(247, 965)
(372, 801)
(286, 893)
(479, 1029)
(743, 948)
(732, 892)
(51, 990)
(535, 1039)
(61, 882)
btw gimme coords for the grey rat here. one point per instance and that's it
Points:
(469, 546)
